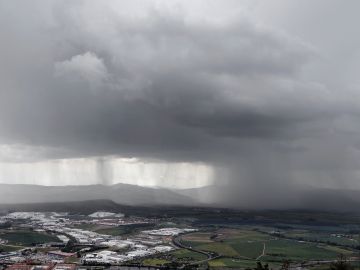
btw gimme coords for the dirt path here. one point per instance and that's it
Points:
(263, 252)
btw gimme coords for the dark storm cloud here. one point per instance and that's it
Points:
(158, 83)
(89, 82)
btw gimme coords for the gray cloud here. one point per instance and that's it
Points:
(83, 80)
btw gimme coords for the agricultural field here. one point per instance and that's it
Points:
(338, 239)
(181, 254)
(281, 249)
(101, 229)
(238, 242)
(238, 263)
(155, 262)
(244, 244)
(243, 247)
(9, 248)
(115, 231)
(27, 238)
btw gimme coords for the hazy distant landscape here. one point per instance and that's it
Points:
(309, 198)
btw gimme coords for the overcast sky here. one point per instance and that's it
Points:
(249, 94)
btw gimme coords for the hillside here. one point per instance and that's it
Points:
(119, 193)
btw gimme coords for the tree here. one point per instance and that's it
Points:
(259, 266)
(69, 246)
(341, 264)
(285, 265)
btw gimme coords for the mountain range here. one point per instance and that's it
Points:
(132, 195)
(118, 193)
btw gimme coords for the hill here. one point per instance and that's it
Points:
(119, 193)
(210, 196)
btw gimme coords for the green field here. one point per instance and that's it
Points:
(8, 248)
(154, 262)
(238, 263)
(339, 250)
(27, 238)
(323, 237)
(115, 231)
(187, 254)
(293, 250)
(219, 248)
(229, 242)
(227, 262)
(241, 246)
(247, 249)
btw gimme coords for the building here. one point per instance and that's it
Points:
(24, 266)
(60, 255)
(62, 266)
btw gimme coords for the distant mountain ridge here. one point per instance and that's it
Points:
(209, 196)
(119, 193)
(87, 207)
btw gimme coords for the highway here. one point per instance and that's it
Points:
(210, 255)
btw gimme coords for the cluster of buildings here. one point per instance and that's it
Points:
(3, 241)
(168, 231)
(110, 250)
(23, 266)
(30, 255)
(102, 214)
(111, 257)
(145, 243)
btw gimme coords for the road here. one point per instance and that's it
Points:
(263, 252)
(210, 256)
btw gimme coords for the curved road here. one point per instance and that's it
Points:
(210, 256)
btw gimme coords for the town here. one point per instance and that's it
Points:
(41, 237)
(63, 241)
